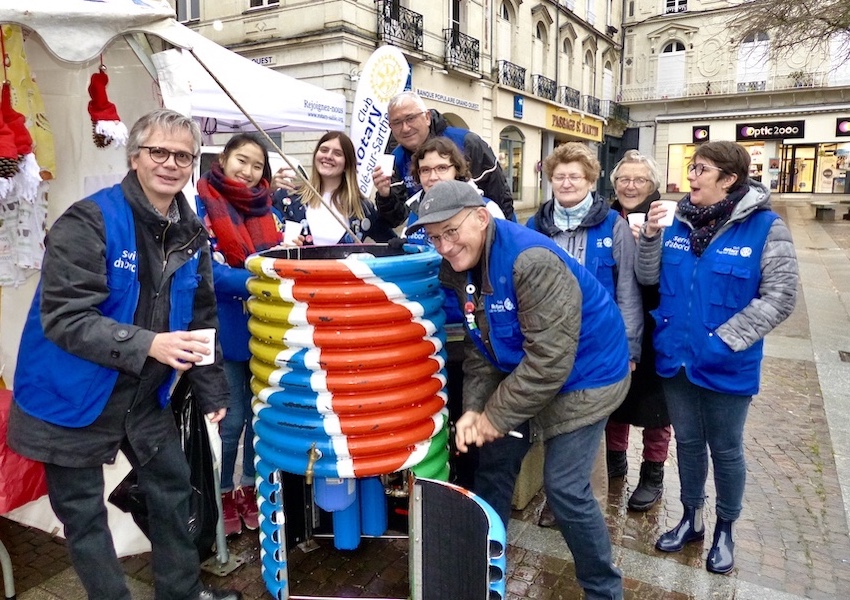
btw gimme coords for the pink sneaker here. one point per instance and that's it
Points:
(230, 513)
(246, 504)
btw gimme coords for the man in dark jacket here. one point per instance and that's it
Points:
(411, 124)
(127, 277)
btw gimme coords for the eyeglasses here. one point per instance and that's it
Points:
(409, 120)
(439, 169)
(573, 178)
(627, 181)
(160, 156)
(699, 168)
(449, 235)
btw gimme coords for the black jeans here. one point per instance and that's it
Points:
(76, 495)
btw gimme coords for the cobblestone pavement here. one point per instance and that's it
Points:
(791, 541)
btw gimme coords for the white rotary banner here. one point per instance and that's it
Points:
(384, 75)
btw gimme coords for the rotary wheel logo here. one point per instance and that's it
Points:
(385, 78)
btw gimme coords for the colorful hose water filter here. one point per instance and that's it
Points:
(348, 360)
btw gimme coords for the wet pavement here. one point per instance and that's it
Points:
(791, 541)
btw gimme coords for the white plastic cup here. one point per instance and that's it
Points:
(206, 359)
(386, 162)
(636, 218)
(667, 219)
(291, 231)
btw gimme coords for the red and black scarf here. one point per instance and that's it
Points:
(240, 217)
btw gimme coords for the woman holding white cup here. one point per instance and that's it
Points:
(636, 179)
(334, 177)
(727, 275)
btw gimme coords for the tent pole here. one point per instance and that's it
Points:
(300, 172)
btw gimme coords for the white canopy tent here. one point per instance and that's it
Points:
(78, 31)
(151, 61)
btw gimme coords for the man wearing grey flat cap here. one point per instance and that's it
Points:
(546, 356)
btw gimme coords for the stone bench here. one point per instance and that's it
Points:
(824, 211)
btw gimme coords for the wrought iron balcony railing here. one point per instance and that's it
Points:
(590, 104)
(511, 75)
(544, 87)
(461, 50)
(614, 110)
(569, 96)
(791, 81)
(399, 26)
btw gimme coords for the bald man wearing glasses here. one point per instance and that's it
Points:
(411, 124)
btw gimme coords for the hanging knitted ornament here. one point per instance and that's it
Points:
(27, 178)
(106, 124)
(8, 156)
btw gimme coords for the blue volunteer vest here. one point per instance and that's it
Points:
(602, 356)
(64, 389)
(699, 294)
(599, 253)
(403, 156)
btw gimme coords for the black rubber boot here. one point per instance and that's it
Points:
(721, 557)
(618, 466)
(649, 488)
(690, 529)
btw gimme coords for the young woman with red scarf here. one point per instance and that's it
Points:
(235, 202)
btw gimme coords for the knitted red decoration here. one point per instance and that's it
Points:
(106, 124)
(8, 153)
(15, 122)
(26, 178)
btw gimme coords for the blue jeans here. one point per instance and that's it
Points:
(76, 495)
(705, 420)
(566, 474)
(497, 470)
(239, 417)
(568, 464)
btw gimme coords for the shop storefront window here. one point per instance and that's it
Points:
(680, 156)
(819, 168)
(511, 153)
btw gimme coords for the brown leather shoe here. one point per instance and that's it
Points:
(547, 517)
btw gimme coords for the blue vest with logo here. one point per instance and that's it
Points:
(599, 254)
(64, 389)
(699, 294)
(403, 156)
(602, 356)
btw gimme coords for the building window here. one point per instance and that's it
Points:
(675, 6)
(753, 62)
(541, 32)
(674, 47)
(256, 3)
(670, 82)
(631, 8)
(188, 10)
(589, 14)
(511, 157)
(504, 12)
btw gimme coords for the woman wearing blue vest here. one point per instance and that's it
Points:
(546, 356)
(334, 176)
(728, 275)
(596, 236)
(235, 203)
